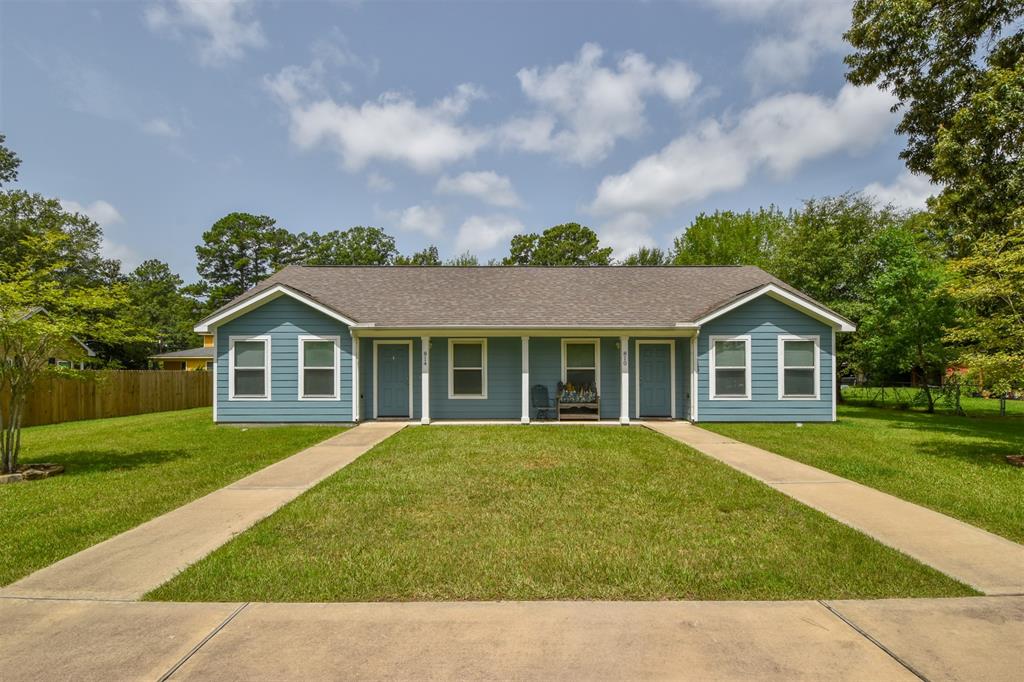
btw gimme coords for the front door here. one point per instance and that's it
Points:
(655, 367)
(393, 380)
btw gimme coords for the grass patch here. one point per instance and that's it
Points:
(913, 399)
(512, 512)
(124, 471)
(954, 465)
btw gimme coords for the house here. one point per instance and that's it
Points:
(74, 350)
(190, 360)
(345, 344)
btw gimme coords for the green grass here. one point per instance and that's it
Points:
(913, 399)
(955, 465)
(122, 472)
(547, 512)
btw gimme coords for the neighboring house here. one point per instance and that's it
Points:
(190, 360)
(73, 341)
(442, 343)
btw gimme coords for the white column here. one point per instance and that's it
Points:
(694, 375)
(355, 378)
(525, 418)
(624, 374)
(424, 380)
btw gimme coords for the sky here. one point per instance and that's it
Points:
(450, 123)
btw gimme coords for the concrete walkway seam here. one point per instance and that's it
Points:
(204, 640)
(863, 633)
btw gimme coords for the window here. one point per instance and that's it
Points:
(250, 368)
(467, 368)
(209, 365)
(318, 368)
(730, 368)
(579, 363)
(798, 367)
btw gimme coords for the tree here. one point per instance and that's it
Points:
(427, 256)
(567, 244)
(910, 309)
(41, 316)
(464, 259)
(9, 162)
(647, 256)
(729, 238)
(355, 246)
(240, 250)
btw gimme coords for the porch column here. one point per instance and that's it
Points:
(356, 387)
(624, 375)
(424, 380)
(525, 418)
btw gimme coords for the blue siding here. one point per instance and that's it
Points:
(284, 320)
(367, 376)
(504, 382)
(764, 319)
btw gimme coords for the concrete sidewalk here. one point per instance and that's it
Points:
(131, 564)
(939, 639)
(989, 563)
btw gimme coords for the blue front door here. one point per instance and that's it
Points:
(393, 380)
(655, 367)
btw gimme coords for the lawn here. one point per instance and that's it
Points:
(547, 512)
(122, 472)
(955, 465)
(913, 398)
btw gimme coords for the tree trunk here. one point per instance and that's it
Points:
(10, 438)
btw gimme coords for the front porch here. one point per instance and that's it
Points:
(518, 379)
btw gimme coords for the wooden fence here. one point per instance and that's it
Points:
(116, 393)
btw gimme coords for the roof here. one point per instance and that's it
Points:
(488, 296)
(189, 354)
(37, 309)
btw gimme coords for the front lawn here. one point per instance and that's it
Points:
(913, 398)
(547, 512)
(124, 471)
(955, 465)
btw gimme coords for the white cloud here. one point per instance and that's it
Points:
(487, 186)
(161, 127)
(779, 133)
(585, 107)
(626, 233)
(379, 183)
(392, 128)
(294, 83)
(811, 28)
(222, 29)
(106, 215)
(909, 191)
(480, 234)
(427, 220)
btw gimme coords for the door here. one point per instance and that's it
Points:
(655, 379)
(393, 380)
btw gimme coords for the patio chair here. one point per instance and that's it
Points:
(542, 403)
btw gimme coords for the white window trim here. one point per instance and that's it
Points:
(782, 369)
(231, 369)
(597, 359)
(711, 365)
(336, 340)
(672, 364)
(377, 343)
(451, 369)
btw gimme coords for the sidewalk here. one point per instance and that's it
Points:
(131, 564)
(991, 564)
(898, 639)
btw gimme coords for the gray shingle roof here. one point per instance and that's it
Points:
(521, 296)
(189, 354)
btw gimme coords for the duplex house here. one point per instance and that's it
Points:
(345, 344)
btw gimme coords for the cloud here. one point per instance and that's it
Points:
(909, 191)
(106, 215)
(626, 233)
(222, 30)
(778, 134)
(392, 128)
(487, 186)
(379, 183)
(583, 107)
(296, 82)
(161, 127)
(427, 220)
(810, 28)
(480, 234)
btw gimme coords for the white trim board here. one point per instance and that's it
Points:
(597, 359)
(267, 369)
(711, 366)
(816, 340)
(672, 379)
(262, 298)
(376, 377)
(336, 340)
(790, 299)
(483, 368)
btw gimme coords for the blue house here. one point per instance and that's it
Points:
(346, 344)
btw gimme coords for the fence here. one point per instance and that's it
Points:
(116, 393)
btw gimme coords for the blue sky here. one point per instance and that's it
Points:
(450, 123)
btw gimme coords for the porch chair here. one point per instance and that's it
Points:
(542, 403)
